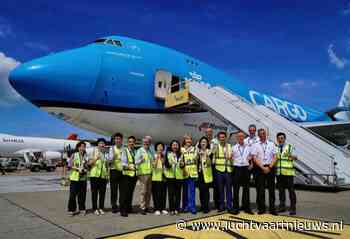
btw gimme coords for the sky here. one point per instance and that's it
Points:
(297, 50)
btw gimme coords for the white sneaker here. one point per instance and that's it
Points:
(165, 212)
(102, 212)
(176, 212)
(71, 214)
(97, 212)
(157, 213)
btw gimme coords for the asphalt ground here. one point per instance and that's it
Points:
(34, 205)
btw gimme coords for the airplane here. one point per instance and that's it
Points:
(118, 83)
(29, 148)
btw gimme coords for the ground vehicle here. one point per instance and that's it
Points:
(12, 164)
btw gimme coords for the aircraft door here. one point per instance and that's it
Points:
(162, 84)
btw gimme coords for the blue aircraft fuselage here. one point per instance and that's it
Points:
(117, 74)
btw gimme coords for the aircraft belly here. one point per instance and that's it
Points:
(164, 127)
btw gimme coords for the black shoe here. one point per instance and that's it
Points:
(221, 210)
(248, 211)
(205, 211)
(282, 209)
(261, 212)
(144, 211)
(292, 213)
(273, 212)
(124, 214)
(235, 211)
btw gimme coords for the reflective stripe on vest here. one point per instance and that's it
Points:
(145, 168)
(157, 169)
(206, 167)
(117, 163)
(74, 174)
(222, 158)
(131, 161)
(284, 165)
(99, 169)
(190, 161)
(174, 171)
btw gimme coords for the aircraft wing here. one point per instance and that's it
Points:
(335, 131)
(23, 151)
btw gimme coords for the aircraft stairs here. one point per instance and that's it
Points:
(320, 163)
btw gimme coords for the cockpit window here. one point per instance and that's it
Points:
(100, 41)
(108, 41)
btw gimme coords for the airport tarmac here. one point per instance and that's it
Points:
(34, 206)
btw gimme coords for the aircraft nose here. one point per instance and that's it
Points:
(66, 77)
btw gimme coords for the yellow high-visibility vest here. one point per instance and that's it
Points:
(189, 156)
(285, 165)
(222, 158)
(131, 161)
(145, 167)
(175, 171)
(206, 167)
(117, 163)
(157, 169)
(100, 168)
(74, 174)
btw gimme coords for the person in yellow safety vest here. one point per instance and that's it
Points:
(285, 172)
(222, 159)
(188, 153)
(129, 178)
(99, 173)
(78, 178)
(143, 161)
(116, 174)
(174, 173)
(158, 181)
(205, 174)
(209, 133)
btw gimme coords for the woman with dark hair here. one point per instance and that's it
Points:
(174, 174)
(99, 175)
(78, 178)
(158, 181)
(205, 174)
(188, 153)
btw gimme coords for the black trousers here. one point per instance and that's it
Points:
(254, 172)
(127, 191)
(77, 190)
(174, 193)
(241, 177)
(98, 191)
(264, 180)
(216, 193)
(159, 195)
(286, 182)
(115, 183)
(203, 192)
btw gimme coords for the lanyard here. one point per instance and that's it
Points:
(241, 152)
(264, 147)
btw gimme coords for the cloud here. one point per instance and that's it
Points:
(340, 63)
(346, 10)
(297, 87)
(37, 46)
(8, 96)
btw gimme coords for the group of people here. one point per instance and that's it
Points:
(173, 171)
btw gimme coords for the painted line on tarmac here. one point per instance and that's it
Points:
(244, 226)
(41, 217)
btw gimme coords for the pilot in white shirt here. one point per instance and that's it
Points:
(241, 154)
(264, 160)
(252, 138)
